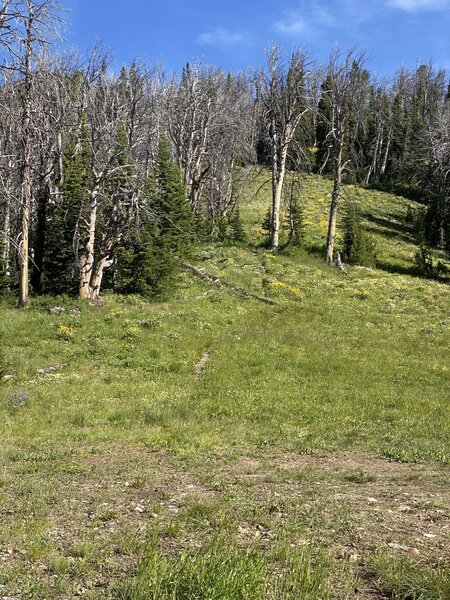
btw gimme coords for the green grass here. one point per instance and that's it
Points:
(356, 364)
(223, 573)
(403, 579)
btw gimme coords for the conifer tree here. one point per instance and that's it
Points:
(59, 274)
(170, 205)
(296, 222)
(359, 247)
(149, 256)
(236, 227)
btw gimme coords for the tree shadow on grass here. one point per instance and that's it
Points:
(391, 229)
(410, 270)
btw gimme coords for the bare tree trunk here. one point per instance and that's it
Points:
(373, 165)
(86, 260)
(26, 166)
(97, 277)
(331, 236)
(386, 153)
(7, 231)
(276, 204)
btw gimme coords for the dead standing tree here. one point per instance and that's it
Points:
(343, 76)
(209, 117)
(282, 94)
(30, 26)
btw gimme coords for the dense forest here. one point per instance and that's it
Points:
(108, 179)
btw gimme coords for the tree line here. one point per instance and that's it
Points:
(107, 179)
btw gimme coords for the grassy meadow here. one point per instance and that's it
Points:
(214, 447)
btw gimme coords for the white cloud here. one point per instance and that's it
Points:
(415, 5)
(223, 38)
(312, 15)
(291, 24)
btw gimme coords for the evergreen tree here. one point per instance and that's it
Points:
(59, 274)
(266, 224)
(359, 248)
(149, 256)
(237, 231)
(424, 261)
(144, 264)
(296, 222)
(170, 204)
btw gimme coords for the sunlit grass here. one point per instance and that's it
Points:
(356, 363)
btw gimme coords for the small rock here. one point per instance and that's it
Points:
(397, 546)
(372, 500)
(430, 536)
(413, 552)
(50, 369)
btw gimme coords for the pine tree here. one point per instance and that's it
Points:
(170, 204)
(149, 256)
(237, 230)
(424, 261)
(59, 274)
(296, 223)
(266, 224)
(359, 248)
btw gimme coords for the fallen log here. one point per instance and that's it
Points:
(218, 281)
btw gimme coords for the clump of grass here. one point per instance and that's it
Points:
(224, 572)
(359, 476)
(403, 579)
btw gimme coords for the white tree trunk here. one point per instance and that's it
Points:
(86, 259)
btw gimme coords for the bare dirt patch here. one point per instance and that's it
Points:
(75, 524)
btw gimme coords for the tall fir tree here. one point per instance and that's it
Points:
(150, 254)
(170, 203)
(59, 264)
(358, 247)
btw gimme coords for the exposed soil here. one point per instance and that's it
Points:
(353, 504)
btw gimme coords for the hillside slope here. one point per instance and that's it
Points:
(193, 420)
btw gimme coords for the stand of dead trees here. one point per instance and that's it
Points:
(79, 150)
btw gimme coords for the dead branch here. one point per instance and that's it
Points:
(218, 281)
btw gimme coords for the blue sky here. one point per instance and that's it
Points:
(234, 33)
